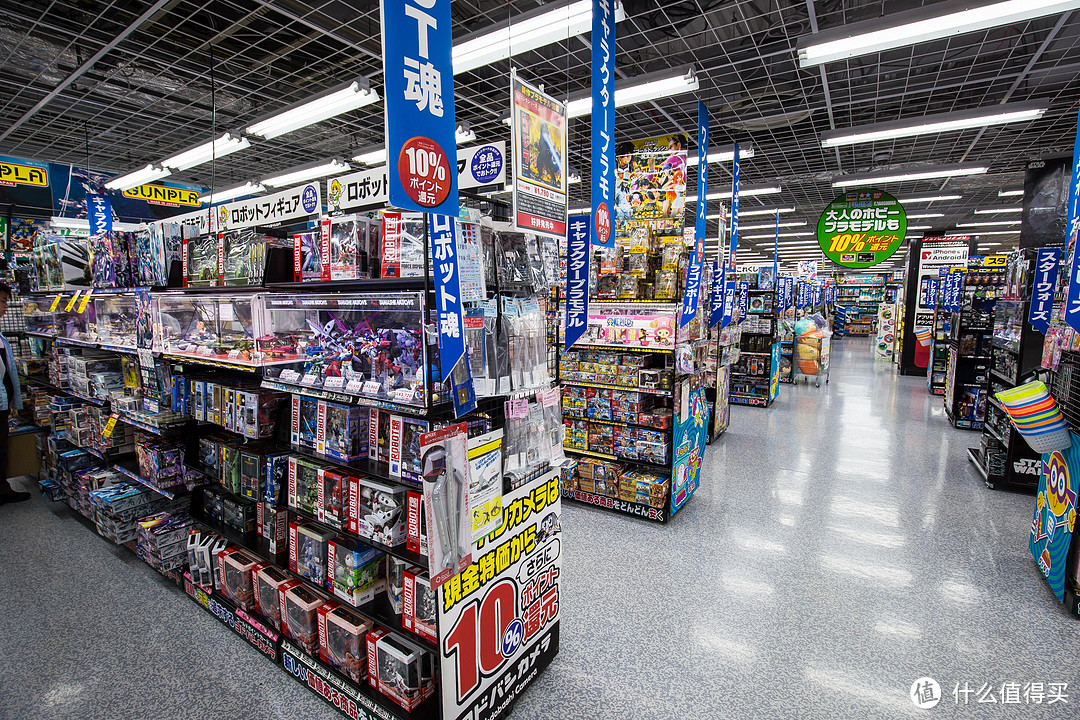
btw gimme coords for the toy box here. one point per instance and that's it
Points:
(304, 484)
(405, 435)
(268, 582)
(377, 511)
(236, 580)
(357, 571)
(342, 234)
(342, 431)
(213, 499)
(201, 261)
(415, 523)
(305, 422)
(229, 468)
(399, 669)
(307, 257)
(333, 497)
(419, 605)
(276, 477)
(395, 582)
(379, 435)
(343, 641)
(239, 514)
(273, 523)
(308, 549)
(257, 412)
(299, 614)
(403, 241)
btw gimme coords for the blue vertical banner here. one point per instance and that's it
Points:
(716, 298)
(577, 278)
(1072, 301)
(930, 292)
(99, 212)
(603, 121)
(444, 264)
(734, 212)
(776, 247)
(744, 299)
(729, 303)
(954, 287)
(1047, 262)
(702, 169)
(692, 288)
(418, 75)
(818, 287)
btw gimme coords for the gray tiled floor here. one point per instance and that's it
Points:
(839, 548)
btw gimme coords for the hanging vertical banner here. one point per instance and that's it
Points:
(744, 299)
(1072, 302)
(421, 148)
(776, 247)
(702, 168)
(830, 294)
(1042, 289)
(730, 293)
(448, 299)
(692, 288)
(603, 121)
(734, 211)
(818, 288)
(954, 286)
(929, 289)
(577, 279)
(539, 135)
(716, 300)
(99, 212)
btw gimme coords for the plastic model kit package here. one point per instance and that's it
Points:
(342, 431)
(333, 497)
(419, 604)
(308, 551)
(299, 614)
(236, 578)
(304, 484)
(357, 571)
(307, 257)
(403, 245)
(405, 435)
(377, 511)
(201, 261)
(444, 458)
(268, 582)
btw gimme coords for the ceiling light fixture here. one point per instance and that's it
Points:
(641, 88)
(303, 174)
(770, 226)
(929, 198)
(723, 155)
(149, 173)
(1010, 192)
(770, 235)
(464, 134)
(925, 215)
(920, 25)
(248, 188)
(937, 123)
(883, 177)
(920, 227)
(988, 223)
(84, 224)
(354, 95)
(744, 191)
(981, 233)
(224, 145)
(992, 211)
(528, 31)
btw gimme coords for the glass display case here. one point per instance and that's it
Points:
(220, 328)
(39, 318)
(365, 345)
(1009, 317)
(115, 320)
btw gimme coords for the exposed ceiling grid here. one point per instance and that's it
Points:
(150, 96)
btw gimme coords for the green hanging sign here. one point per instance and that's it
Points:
(862, 228)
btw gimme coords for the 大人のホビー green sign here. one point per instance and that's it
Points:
(861, 228)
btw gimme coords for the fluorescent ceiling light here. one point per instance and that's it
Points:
(528, 31)
(929, 198)
(752, 213)
(981, 233)
(309, 173)
(371, 156)
(248, 188)
(744, 191)
(912, 237)
(988, 223)
(883, 177)
(149, 173)
(641, 89)
(1010, 193)
(770, 226)
(579, 211)
(920, 227)
(354, 95)
(925, 215)
(920, 25)
(770, 235)
(573, 178)
(937, 123)
(84, 224)
(992, 211)
(224, 145)
(723, 155)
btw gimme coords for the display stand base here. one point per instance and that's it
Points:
(622, 507)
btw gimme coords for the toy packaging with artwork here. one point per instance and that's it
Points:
(400, 670)
(377, 511)
(268, 582)
(299, 614)
(343, 641)
(308, 551)
(419, 605)
(358, 571)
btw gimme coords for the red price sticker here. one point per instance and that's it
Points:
(424, 172)
(603, 223)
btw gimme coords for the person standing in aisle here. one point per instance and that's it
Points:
(10, 399)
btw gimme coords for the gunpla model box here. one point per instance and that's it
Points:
(364, 345)
(400, 670)
(419, 606)
(357, 571)
(236, 566)
(377, 511)
(304, 484)
(308, 551)
(268, 582)
(343, 640)
(299, 614)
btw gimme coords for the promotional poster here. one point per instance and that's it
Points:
(650, 188)
(540, 172)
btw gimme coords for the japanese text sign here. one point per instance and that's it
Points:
(744, 299)
(577, 278)
(99, 212)
(692, 289)
(447, 292)
(929, 288)
(730, 300)
(419, 105)
(538, 124)
(700, 220)
(1047, 262)
(603, 121)
(291, 204)
(716, 298)
(734, 211)
(861, 228)
(1072, 301)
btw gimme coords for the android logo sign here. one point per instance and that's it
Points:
(1055, 514)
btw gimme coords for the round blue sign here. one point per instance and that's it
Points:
(511, 639)
(310, 198)
(487, 164)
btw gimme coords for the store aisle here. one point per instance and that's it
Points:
(839, 548)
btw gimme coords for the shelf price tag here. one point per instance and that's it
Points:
(107, 431)
(334, 383)
(371, 387)
(71, 303)
(56, 302)
(85, 300)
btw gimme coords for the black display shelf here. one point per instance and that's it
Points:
(614, 458)
(999, 376)
(615, 505)
(130, 469)
(616, 423)
(374, 469)
(147, 427)
(358, 400)
(976, 459)
(994, 434)
(398, 551)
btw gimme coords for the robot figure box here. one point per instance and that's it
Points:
(343, 641)
(358, 571)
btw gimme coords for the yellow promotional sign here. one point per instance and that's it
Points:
(162, 195)
(12, 173)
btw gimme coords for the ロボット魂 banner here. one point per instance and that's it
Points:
(862, 228)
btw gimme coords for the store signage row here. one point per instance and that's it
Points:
(602, 125)
(861, 228)
(539, 169)
(577, 278)
(164, 195)
(476, 167)
(1072, 299)
(862, 279)
(1047, 262)
(419, 105)
(954, 286)
(99, 214)
(692, 288)
(283, 207)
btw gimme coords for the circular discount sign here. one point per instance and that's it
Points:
(424, 171)
(603, 223)
(862, 228)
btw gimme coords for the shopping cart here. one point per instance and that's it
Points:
(811, 356)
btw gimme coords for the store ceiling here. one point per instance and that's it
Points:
(150, 96)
